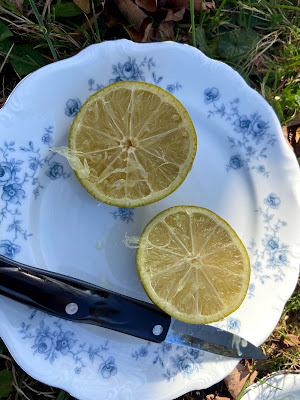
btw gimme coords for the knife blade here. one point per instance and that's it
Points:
(70, 298)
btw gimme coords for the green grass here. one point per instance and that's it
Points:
(259, 39)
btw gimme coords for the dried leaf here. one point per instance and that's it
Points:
(293, 134)
(291, 340)
(18, 4)
(204, 5)
(236, 380)
(127, 13)
(84, 5)
(214, 397)
(148, 5)
(285, 133)
(175, 15)
(165, 31)
(133, 14)
(258, 62)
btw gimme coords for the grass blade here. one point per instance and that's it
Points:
(192, 11)
(43, 29)
(96, 23)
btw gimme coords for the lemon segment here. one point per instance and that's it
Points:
(193, 265)
(136, 141)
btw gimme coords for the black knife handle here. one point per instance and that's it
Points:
(75, 300)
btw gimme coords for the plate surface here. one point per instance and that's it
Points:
(283, 385)
(244, 171)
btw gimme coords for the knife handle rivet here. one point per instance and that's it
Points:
(157, 330)
(71, 308)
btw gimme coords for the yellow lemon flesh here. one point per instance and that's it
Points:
(193, 265)
(131, 144)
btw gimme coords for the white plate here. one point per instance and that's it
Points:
(244, 171)
(283, 385)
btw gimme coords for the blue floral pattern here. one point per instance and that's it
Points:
(272, 260)
(124, 214)
(252, 137)
(72, 107)
(18, 178)
(133, 70)
(186, 361)
(53, 340)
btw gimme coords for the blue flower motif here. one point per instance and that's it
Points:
(64, 342)
(56, 170)
(6, 173)
(242, 124)
(143, 351)
(166, 347)
(47, 139)
(9, 249)
(234, 325)
(257, 266)
(43, 344)
(127, 71)
(236, 162)
(184, 364)
(194, 353)
(250, 151)
(13, 193)
(258, 129)
(271, 242)
(108, 368)
(171, 88)
(211, 94)
(278, 258)
(261, 169)
(72, 107)
(272, 200)
(125, 214)
(34, 165)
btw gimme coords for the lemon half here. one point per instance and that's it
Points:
(193, 265)
(131, 144)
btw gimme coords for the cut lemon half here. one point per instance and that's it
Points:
(131, 144)
(193, 265)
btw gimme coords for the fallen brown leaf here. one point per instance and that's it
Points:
(165, 31)
(285, 133)
(236, 380)
(214, 397)
(148, 5)
(128, 14)
(204, 5)
(84, 5)
(175, 15)
(18, 4)
(258, 62)
(291, 341)
(291, 132)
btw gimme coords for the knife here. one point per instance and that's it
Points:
(79, 301)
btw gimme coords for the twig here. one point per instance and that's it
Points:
(5, 59)
(47, 4)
